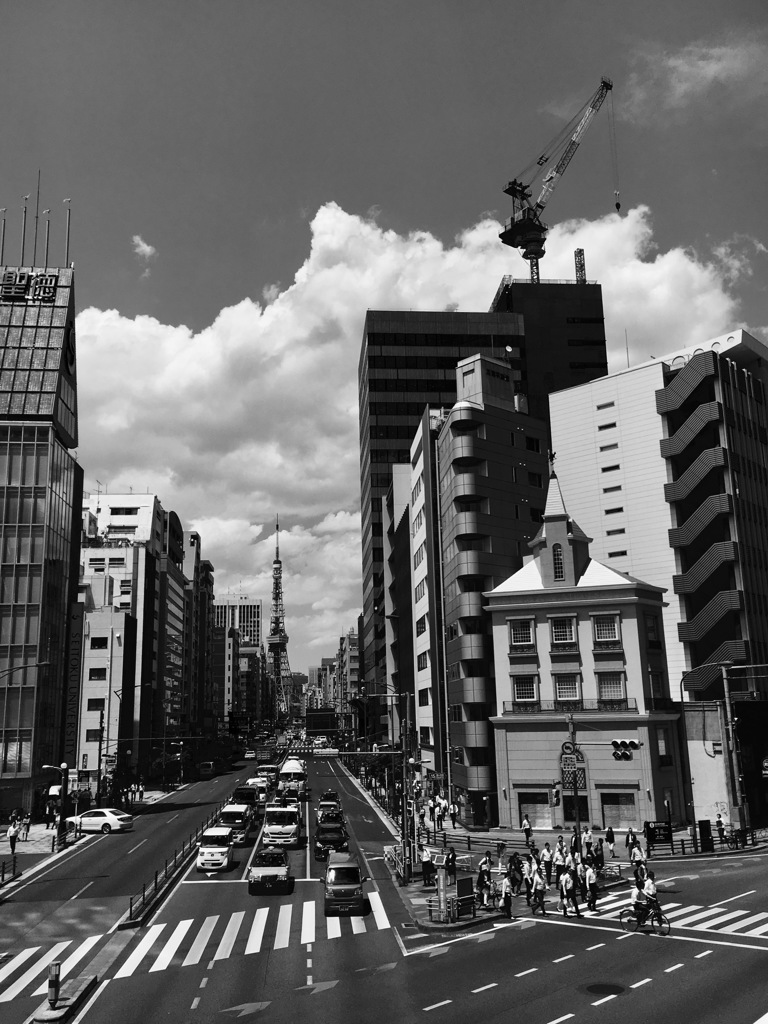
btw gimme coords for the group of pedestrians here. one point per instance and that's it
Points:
(438, 808)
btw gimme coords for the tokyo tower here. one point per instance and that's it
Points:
(277, 641)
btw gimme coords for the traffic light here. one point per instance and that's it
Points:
(622, 749)
(554, 796)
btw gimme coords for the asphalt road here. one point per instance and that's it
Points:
(214, 953)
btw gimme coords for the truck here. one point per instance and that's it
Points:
(282, 825)
(266, 751)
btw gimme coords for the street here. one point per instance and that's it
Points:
(212, 952)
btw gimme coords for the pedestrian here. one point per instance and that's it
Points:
(515, 871)
(506, 895)
(599, 855)
(527, 830)
(568, 893)
(50, 810)
(141, 789)
(575, 841)
(431, 805)
(427, 867)
(439, 816)
(630, 840)
(450, 865)
(558, 859)
(528, 878)
(539, 887)
(581, 878)
(454, 812)
(610, 840)
(587, 840)
(26, 821)
(13, 834)
(546, 862)
(422, 819)
(484, 884)
(720, 826)
(591, 880)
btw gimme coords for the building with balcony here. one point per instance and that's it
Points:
(580, 663)
(669, 473)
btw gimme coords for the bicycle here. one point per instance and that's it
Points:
(494, 896)
(637, 916)
(731, 839)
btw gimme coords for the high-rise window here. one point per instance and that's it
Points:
(557, 561)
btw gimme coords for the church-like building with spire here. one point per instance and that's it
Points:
(586, 731)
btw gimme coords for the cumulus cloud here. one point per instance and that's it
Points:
(145, 253)
(671, 80)
(256, 415)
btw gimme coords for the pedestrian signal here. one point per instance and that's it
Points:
(622, 749)
(554, 797)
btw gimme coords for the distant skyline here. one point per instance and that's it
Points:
(248, 177)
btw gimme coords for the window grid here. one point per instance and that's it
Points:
(567, 686)
(610, 686)
(562, 631)
(520, 632)
(606, 627)
(524, 688)
(557, 562)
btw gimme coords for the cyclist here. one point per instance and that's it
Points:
(645, 901)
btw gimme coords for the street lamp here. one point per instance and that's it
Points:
(63, 771)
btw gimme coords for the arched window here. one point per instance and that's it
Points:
(557, 561)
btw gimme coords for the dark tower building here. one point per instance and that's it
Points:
(552, 336)
(40, 494)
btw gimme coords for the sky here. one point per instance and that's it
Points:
(248, 177)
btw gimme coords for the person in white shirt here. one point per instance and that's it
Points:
(591, 880)
(546, 862)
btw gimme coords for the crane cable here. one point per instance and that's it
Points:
(614, 152)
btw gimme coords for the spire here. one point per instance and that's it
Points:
(555, 505)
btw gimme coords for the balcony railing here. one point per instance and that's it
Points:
(565, 707)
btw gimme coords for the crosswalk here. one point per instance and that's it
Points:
(218, 937)
(694, 916)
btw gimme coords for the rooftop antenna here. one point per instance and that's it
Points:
(99, 485)
(2, 237)
(23, 228)
(37, 210)
(69, 220)
(47, 235)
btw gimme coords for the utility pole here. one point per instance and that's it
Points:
(574, 750)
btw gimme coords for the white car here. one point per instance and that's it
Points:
(215, 849)
(270, 870)
(250, 755)
(101, 819)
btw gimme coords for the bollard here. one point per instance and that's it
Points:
(54, 982)
(682, 847)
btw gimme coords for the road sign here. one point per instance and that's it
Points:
(110, 760)
(659, 832)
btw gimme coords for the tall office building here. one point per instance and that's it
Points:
(552, 336)
(198, 627)
(668, 472)
(40, 489)
(241, 613)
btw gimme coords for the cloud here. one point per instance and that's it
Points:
(668, 81)
(145, 253)
(256, 415)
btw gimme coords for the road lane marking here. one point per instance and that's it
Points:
(198, 946)
(758, 931)
(434, 1006)
(719, 920)
(687, 922)
(40, 965)
(605, 999)
(558, 1020)
(530, 970)
(598, 946)
(140, 952)
(19, 959)
(257, 930)
(169, 949)
(681, 911)
(283, 933)
(172, 819)
(700, 955)
(70, 962)
(138, 845)
(195, 1003)
(230, 934)
(358, 924)
(637, 984)
(333, 926)
(560, 959)
(494, 984)
(731, 928)
(308, 923)
(81, 891)
(674, 967)
(740, 896)
(379, 913)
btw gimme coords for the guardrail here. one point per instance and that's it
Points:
(151, 891)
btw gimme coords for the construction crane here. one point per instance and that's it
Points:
(277, 641)
(525, 230)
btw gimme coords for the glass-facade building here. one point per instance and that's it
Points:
(40, 498)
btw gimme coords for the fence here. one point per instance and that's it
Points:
(140, 901)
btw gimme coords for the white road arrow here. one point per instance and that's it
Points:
(245, 1008)
(376, 970)
(318, 986)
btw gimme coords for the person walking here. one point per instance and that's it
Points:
(26, 821)
(506, 895)
(431, 805)
(568, 893)
(539, 887)
(13, 834)
(427, 867)
(587, 840)
(558, 859)
(610, 840)
(484, 884)
(450, 865)
(528, 878)
(527, 830)
(599, 855)
(50, 810)
(141, 789)
(515, 871)
(720, 826)
(453, 810)
(439, 815)
(581, 878)
(591, 880)
(546, 862)
(630, 840)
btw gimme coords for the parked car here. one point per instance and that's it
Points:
(270, 870)
(330, 838)
(101, 819)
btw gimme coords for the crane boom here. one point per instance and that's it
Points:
(525, 230)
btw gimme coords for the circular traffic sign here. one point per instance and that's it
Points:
(568, 747)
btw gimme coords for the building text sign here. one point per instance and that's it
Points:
(26, 286)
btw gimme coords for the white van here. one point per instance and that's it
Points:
(238, 817)
(282, 825)
(292, 780)
(215, 849)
